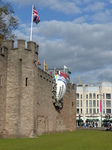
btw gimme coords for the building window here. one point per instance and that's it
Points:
(97, 103)
(86, 103)
(81, 96)
(108, 103)
(77, 95)
(94, 110)
(94, 95)
(103, 95)
(81, 103)
(81, 110)
(97, 96)
(103, 103)
(94, 103)
(77, 103)
(90, 96)
(108, 111)
(90, 103)
(103, 111)
(87, 96)
(90, 110)
(86, 110)
(97, 110)
(77, 110)
(108, 96)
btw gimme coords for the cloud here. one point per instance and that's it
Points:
(101, 17)
(86, 49)
(83, 10)
(82, 42)
(95, 6)
(65, 6)
(95, 76)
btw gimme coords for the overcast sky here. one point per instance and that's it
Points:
(75, 33)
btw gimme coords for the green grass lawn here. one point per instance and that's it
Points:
(75, 140)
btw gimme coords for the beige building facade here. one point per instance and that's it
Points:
(94, 103)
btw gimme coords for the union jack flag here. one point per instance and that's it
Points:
(35, 15)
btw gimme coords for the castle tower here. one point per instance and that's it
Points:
(26, 105)
(21, 98)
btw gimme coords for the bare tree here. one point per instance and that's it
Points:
(8, 22)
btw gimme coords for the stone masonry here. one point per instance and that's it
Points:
(26, 105)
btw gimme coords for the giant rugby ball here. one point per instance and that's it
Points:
(61, 86)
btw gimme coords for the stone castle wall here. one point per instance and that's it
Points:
(26, 107)
(50, 118)
(3, 85)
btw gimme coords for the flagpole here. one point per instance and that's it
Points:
(44, 65)
(31, 24)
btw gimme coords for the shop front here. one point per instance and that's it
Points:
(90, 122)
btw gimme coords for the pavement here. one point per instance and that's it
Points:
(98, 128)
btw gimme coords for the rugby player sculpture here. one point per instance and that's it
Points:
(61, 86)
(61, 78)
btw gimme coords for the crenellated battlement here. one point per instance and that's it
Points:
(30, 46)
(25, 52)
(8, 43)
(44, 75)
(70, 87)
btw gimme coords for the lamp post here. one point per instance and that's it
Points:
(79, 119)
(93, 116)
(101, 107)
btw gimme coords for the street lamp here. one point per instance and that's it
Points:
(101, 107)
(79, 120)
